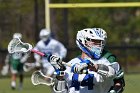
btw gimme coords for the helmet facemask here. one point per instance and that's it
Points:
(45, 37)
(95, 47)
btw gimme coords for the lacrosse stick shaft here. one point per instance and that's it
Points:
(38, 52)
(16, 45)
(42, 54)
(66, 64)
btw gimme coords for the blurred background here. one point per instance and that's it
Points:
(120, 23)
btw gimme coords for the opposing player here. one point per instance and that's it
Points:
(48, 45)
(100, 73)
(16, 61)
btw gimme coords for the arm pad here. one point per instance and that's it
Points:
(106, 71)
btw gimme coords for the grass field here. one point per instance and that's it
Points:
(27, 88)
(132, 85)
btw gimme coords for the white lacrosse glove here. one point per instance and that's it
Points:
(112, 91)
(54, 58)
(79, 67)
(56, 62)
(4, 70)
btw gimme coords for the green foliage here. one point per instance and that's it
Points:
(119, 23)
(16, 16)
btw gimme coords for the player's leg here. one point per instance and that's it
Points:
(13, 74)
(13, 81)
(21, 76)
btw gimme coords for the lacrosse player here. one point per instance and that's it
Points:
(92, 71)
(48, 45)
(16, 61)
(119, 82)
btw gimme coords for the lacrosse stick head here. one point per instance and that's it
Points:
(38, 78)
(16, 46)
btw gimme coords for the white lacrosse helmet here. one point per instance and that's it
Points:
(102, 34)
(91, 41)
(17, 35)
(44, 34)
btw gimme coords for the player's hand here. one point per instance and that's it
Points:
(79, 67)
(54, 59)
(56, 62)
(93, 67)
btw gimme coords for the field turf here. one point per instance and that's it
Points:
(132, 85)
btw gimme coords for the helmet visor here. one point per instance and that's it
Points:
(93, 42)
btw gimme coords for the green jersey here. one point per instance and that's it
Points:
(16, 65)
(109, 56)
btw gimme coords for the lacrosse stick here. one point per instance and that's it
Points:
(38, 78)
(28, 66)
(17, 46)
